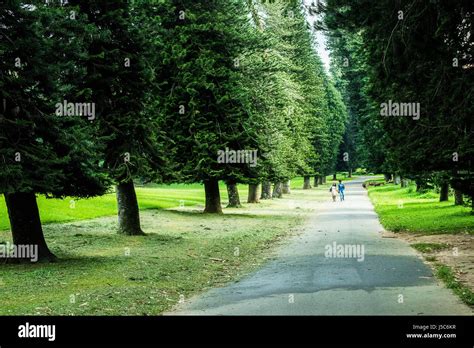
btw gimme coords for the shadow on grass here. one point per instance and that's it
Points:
(160, 237)
(199, 213)
(64, 261)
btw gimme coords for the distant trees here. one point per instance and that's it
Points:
(335, 123)
(315, 114)
(287, 136)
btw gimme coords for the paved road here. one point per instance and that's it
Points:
(389, 279)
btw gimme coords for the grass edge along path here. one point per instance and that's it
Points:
(446, 274)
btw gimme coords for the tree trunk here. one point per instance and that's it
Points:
(316, 181)
(286, 187)
(213, 197)
(396, 180)
(266, 190)
(458, 198)
(277, 190)
(324, 179)
(26, 226)
(233, 193)
(334, 176)
(444, 192)
(128, 212)
(350, 173)
(387, 177)
(254, 193)
(404, 182)
(320, 180)
(307, 183)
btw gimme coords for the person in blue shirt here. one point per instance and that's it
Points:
(341, 189)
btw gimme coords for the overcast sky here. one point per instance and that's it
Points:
(323, 53)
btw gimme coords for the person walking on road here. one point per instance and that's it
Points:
(333, 191)
(341, 189)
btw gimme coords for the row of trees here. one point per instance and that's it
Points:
(408, 52)
(165, 86)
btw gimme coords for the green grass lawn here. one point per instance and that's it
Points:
(100, 272)
(403, 209)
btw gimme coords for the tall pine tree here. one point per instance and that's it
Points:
(120, 76)
(43, 151)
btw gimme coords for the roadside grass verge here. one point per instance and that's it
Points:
(446, 274)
